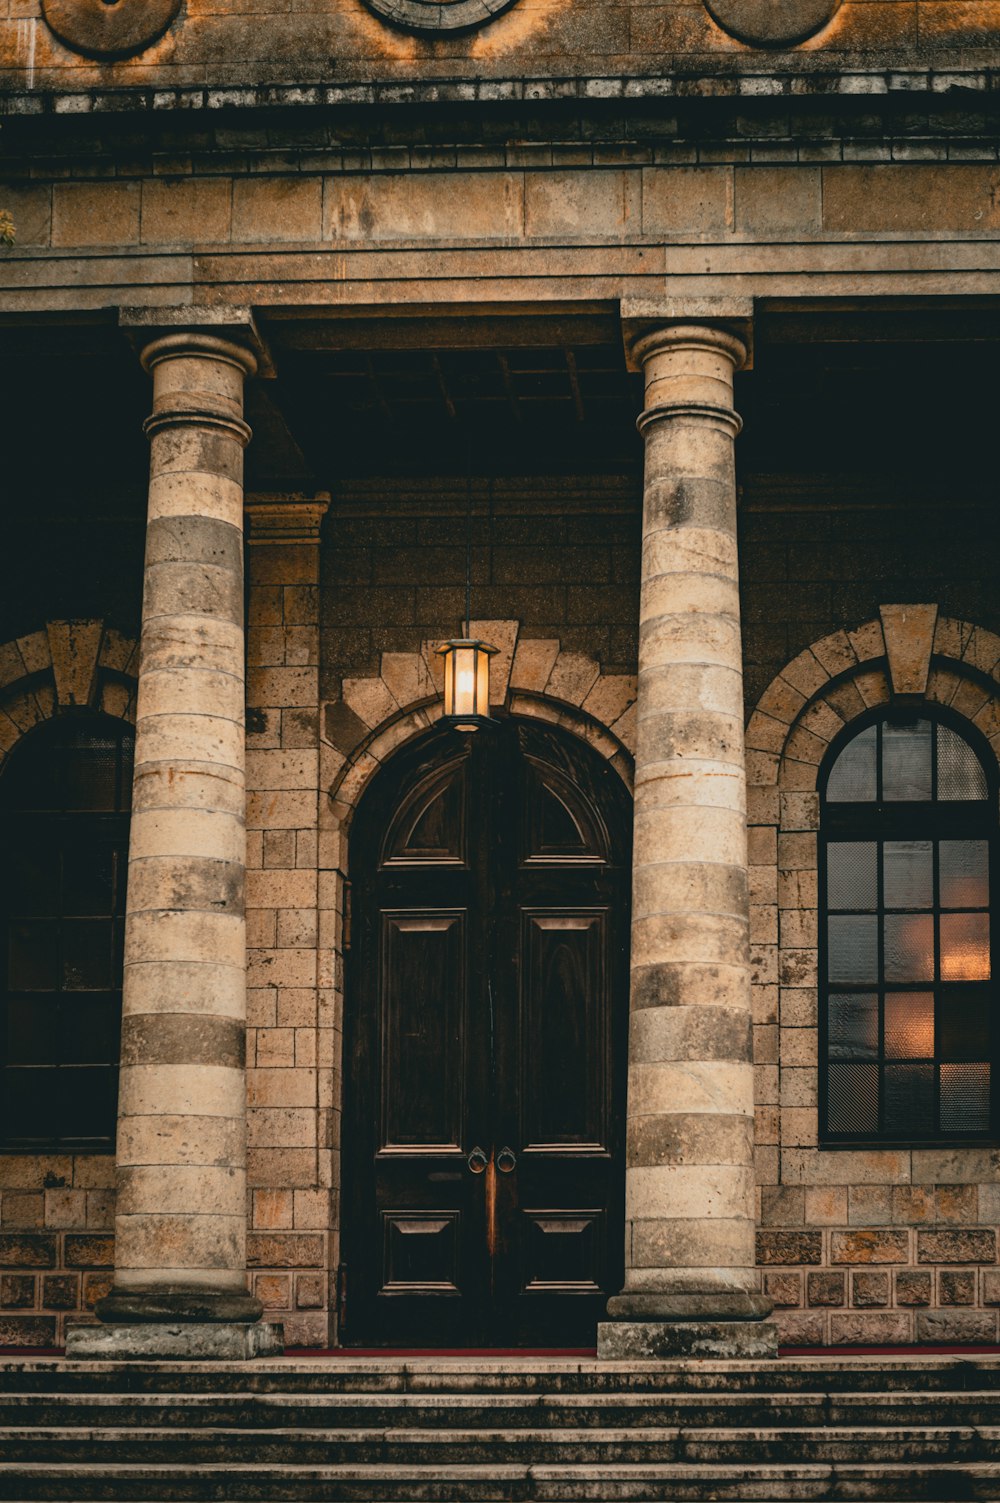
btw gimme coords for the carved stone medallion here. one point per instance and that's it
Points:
(772, 23)
(438, 15)
(109, 28)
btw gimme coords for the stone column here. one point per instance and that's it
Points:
(691, 1286)
(180, 1226)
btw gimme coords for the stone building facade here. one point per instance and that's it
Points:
(390, 287)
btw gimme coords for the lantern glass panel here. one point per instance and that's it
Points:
(483, 682)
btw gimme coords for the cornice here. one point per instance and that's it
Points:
(808, 76)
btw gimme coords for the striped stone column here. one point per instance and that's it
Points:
(180, 1226)
(691, 1287)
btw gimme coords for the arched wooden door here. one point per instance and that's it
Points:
(486, 1026)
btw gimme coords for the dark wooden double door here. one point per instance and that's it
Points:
(486, 1024)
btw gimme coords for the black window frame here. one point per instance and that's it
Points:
(878, 820)
(63, 828)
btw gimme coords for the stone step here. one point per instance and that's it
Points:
(337, 1375)
(358, 1411)
(501, 1447)
(660, 1483)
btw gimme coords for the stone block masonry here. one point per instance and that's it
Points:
(56, 1243)
(886, 1284)
(561, 559)
(292, 1084)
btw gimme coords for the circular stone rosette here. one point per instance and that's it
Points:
(772, 23)
(109, 28)
(444, 15)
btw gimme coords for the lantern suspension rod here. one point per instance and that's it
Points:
(468, 539)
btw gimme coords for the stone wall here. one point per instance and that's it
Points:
(561, 558)
(291, 1127)
(308, 44)
(876, 1246)
(809, 568)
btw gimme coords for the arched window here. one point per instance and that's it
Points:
(908, 1025)
(65, 795)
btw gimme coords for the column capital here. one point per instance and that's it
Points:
(229, 334)
(653, 325)
(275, 519)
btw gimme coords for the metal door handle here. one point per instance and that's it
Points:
(506, 1160)
(477, 1161)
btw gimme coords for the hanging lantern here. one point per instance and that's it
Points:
(467, 682)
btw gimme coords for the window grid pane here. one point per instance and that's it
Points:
(909, 1049)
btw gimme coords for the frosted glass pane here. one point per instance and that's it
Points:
(852, 874)
(965, 1098)
(965, 947)
(965, 874)
(909, 947)
(852, 777)
(908, 1106)
(852, 1031)
(908, 873)
(909, 1025)
(964, 1023)
(852, 1098)
(853, 949)
(960, 773)
(906, 761)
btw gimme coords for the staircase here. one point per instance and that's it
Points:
(436, 1429)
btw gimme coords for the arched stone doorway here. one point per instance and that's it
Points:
(485, 1029)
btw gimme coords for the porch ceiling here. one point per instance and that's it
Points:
(502, 410)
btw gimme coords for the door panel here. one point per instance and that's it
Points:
(420, 1252)
(485, 1043)
(423, 1011)
(430, 826)
(563, 1023)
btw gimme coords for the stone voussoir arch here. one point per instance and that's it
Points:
(910, 653)
(529, 676)
(67, 665)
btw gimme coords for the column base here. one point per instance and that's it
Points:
(181, 1341)
(166, 1304)
(633, 1340)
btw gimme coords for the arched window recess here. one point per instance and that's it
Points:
(908, 1024)
(65, 796)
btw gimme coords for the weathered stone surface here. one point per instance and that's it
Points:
(971, 1326)
(689, 1225)
(27, 1330)
(965, 1246)
(17, 1291)
(870, 1290)
(880, 1246)
(101, 30)
(27, 1250)
(772, 23)
(159, 1342)
(909, 638)
(789, 1247)
(913, 1287)
(84, 1250)
(182, 1079)
(957, 1286)
(635, 1340)
(74, 647)
(866, 1328)
(825, 1289)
